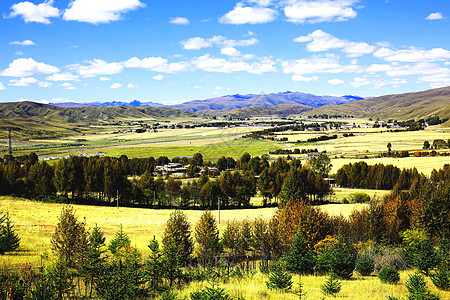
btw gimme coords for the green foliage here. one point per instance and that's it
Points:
(168, 295)
(120, 240)
(211, 293)
(13, 285)
(61, 278)
(279, 279)
(365, 265)
(389, 274)
(70, 239)
(426, 257)
(342, 260)
(412, 238)
(331, 286)
(177, 233)
(9, 240)
(441, 278)
(359, 197)
(171, 263)
(418, 290)
(299, 292)
(300, 258)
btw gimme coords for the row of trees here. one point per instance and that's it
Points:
(102, 179)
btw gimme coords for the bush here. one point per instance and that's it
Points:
(9, 240)
(331, 286)
(338, 259)
(389, 274)
(359, 198)
(441, 279)
(120, 240)
(211, 293)
(365, 265)
(279, 279)
(418, 290)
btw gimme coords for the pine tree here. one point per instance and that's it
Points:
(331, 286)
(70, 239)
(207, 238)
(177, 231)
(300, 258)
(9, 240)
(121, 239)
(279, 279)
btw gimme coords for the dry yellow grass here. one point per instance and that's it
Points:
(253, 287)
(35, 222)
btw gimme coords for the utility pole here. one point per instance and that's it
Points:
(218, 207)
(117, 199)
(10, 157)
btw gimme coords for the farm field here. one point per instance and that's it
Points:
(35, 222)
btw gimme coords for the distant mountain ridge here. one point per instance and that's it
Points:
(230, 102)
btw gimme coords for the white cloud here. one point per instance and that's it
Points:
(19, 53)
(378, 68)
(2, 87)
(413, 54)
(297, 77)
(23, 43)
(377, 83)
(145, 63)
(320, 64)
(248, 15)
(24, 67)
(62, 77)
(97, 67)
(99, 11)
(209, 64)
(67, 86)
(44, 84)
(230, 51)
(104, 79)
(219, 88)
(179, 21)
(158, 77)
(263, 67)
(323, 41)
(336, 81)
(317, 11)
(24, 81)
(197, 43)
(417, 69)
(115, 85)
(359, 81)
(435, 16)
(35, 13)
(260, 2)
(436, 80)
(131, 86)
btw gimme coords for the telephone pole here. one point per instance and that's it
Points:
(10, 156)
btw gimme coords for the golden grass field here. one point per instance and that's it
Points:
(35, 222)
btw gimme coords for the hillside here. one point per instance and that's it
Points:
(398, 106)
(231, 102)
(28, 109)
(280, 110)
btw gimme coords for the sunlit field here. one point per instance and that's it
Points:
(35, 222)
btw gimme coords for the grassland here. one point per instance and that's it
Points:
(35, 222)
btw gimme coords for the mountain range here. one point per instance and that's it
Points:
(230, 102)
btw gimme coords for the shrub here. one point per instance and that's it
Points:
(331, 286)
(441, 279)
(207, 238)
(342, 260)
(389, 274)
(211, 293)
(177, 232)
(389, 257)
(359, 198)
(121, 239)
(9, 240)
(279, 279)
(418, 290)
(365, 265)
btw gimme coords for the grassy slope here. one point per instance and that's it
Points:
(401, 106)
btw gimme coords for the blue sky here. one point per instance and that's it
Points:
(174, 51)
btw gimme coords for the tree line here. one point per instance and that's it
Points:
(103, 179)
